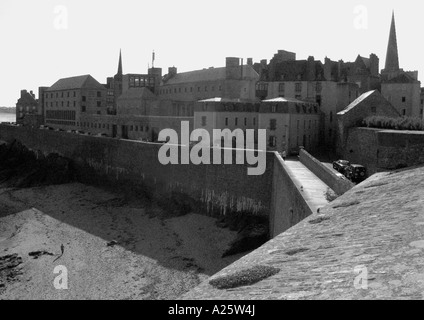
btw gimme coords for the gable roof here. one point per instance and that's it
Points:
(365, 61)
(78, 82)
(358, 101)
(211, 74)
(371, 99)
(27, 98)
(281, 99)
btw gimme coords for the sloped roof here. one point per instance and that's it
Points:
(78, 82)
(372, 99)
(211, 74)
(281, 99)
(219, 99)
(365, 61)
(358, 101)
(294, 70)
(27, 98)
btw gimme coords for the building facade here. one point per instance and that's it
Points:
(70, 100)
(289, 123)
(331, 85)
(26, 106)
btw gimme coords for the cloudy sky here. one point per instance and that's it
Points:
(44, 40)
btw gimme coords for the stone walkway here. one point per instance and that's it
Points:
(314, 190)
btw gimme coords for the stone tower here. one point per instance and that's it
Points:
(117, 82)
(120, 64)
(392, 57)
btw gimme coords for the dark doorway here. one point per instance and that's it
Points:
(114, 131)
(124, 132)
(155, 134)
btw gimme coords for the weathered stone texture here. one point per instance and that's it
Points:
(378, 225)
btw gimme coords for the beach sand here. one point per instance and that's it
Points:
(157, 256)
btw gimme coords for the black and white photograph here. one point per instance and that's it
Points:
(211, 155)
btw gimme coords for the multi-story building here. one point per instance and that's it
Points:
(220, 113)
(69, 100)
(332, 86)
(234, 81)
(139, 106)
(289, 123)
(26, 106)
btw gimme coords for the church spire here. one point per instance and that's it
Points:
(120, 63)
(392, 57)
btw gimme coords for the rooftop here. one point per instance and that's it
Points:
(358, 101)
(211, 74)
(78, 82)
(281, 99)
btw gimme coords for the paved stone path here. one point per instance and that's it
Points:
(314, 189)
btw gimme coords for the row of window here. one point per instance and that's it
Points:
(182, 110)
(27, 108)
(68, 104)
(107, 126)
(304, 125)
(236, 121)
(60, 122)
(140, 81)
(189, 89)
(68, 94)
(60, 115)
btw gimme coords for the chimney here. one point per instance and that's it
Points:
(339, 69)
(374, 65)
(327, 69)
(172, 71)
(250, 62)
(311, 72)
(232, 68)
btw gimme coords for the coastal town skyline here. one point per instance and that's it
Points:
(64, 55)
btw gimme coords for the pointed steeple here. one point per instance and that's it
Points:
(392, 57)
(120, 64)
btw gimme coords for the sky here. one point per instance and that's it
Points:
(45, 40)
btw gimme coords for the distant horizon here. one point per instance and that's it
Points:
(77, 37)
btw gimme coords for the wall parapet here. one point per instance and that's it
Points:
(217, 189)
(338, 184)
(288, 206)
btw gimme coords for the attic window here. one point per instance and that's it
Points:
(374, 109)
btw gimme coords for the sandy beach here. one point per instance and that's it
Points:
(155, 256)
